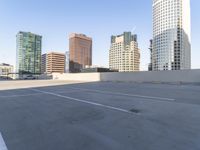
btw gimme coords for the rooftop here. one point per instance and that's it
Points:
(67, 115)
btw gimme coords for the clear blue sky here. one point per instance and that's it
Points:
(56, 19)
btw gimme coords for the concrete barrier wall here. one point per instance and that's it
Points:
(185, 76)
(89, 77)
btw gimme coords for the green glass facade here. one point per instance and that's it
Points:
(29, 47)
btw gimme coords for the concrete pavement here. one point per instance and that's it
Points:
(101, 116)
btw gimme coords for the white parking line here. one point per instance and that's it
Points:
(23, 95)
(73, 90)
(85, 101)
(124, 94)
(2, 143)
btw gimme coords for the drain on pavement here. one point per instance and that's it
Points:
(134, 110)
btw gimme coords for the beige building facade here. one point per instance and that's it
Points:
(124, 54)
(6, 70)
(55, 62)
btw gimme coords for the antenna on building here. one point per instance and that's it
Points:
(133, 29)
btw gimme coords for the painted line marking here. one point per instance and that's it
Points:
(72, 91)
(85, 101)
(23, 95)
(124, 94)
(2, 143)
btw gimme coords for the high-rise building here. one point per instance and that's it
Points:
(29, 47)
(171, 35)
(44, 64)
(80, 48)
(124, 54)
(67, 62)
(55, 62)
(150, 68)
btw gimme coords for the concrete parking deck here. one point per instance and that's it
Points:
(99, 116)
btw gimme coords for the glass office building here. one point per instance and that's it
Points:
(28, 53)
(171, 35)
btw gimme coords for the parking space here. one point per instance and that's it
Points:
(100, 116)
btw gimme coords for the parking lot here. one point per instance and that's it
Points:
(60, 115)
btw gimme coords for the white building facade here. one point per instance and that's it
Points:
(67, 57)
(171, 35)
(6, 70)
(124, 54)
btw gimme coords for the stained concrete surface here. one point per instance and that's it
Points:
(101, 116)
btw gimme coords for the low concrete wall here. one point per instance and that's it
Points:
(89, 77)
(182, 76)
(186, 76)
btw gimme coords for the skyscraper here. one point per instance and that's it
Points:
(28, 53)
(124, 54)
(44, 63)
(171, 35)
(150, 49)
(80, 49)
(67, 62)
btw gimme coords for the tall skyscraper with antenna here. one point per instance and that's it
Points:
(171, 35)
